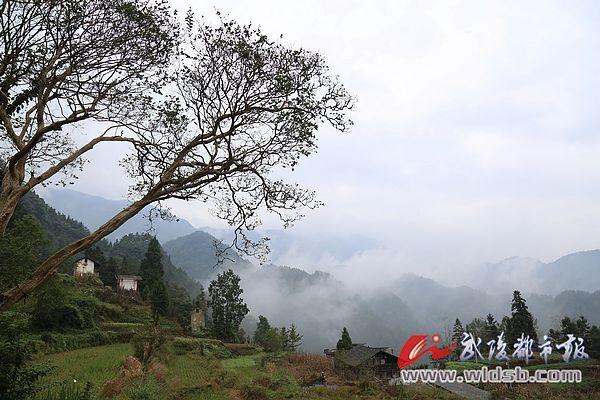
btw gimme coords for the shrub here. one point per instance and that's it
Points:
(146, 345)
(307, 368)
(57, 342)
(18, 377)
(205, 347)
(241, 349)
(186, 345)
(58, 308)
(254, 392)
(131, 370)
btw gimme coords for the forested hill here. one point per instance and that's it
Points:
(93, 211)
(60, 229)
(127, 253)
(196, 254)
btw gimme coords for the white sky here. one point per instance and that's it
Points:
(476, 131)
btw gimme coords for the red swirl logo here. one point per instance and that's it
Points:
(414, 349)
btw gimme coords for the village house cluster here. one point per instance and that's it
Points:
(86, 266)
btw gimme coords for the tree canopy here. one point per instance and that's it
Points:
(210, 122)
(521, 320)
(345, 342)
(228, 307)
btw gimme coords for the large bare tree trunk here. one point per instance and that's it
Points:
(51, 264)
(11, 193)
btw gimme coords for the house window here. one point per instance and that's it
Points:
(382, 361)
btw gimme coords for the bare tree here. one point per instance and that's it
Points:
(65, 62)
(239, 107)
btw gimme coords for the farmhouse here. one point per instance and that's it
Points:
(84, 266)
(361, 359)
(128, 282)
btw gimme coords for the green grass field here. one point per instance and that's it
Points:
(191, 376)
(92, 364)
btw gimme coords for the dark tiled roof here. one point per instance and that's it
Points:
(358, 354)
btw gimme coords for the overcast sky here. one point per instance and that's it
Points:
(476, 131)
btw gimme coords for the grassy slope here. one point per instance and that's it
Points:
(92, 364)
(193, 377)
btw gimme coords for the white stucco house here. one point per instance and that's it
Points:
(128, 282)
(84, 266)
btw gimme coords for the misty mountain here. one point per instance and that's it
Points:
(576, 271)
(93, 211)
(321, 306)
(437, 305)
(292, 247)
(197, 253)
(319, 303)
(514, 273)
(551, 309)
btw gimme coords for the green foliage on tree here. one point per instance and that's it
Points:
(593, 344)
(180, 306)
(477, 327)
(54, 308)
(20, 250)
(18, 375)
(151, 268)
(457, 331)
(345, 342)
(60, 229)
(106, 268)
(200, 301)
(273, 340)
(294, 339)
(228, 307)
(262, 328)
(153, 286)
(131, 249)
(505, 324)
(521, 320)
(159, 300)
(276, 339)
(492, 329)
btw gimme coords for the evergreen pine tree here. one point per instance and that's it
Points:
(582, 327)
(505, 325)
(153, 286)
(200, 301)
(521, 321)
(262, 329)
(159, 300)
(345, 343)
(491, 328)
(151, 268)
(284, 338)
(457, 331)
(294, 339)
